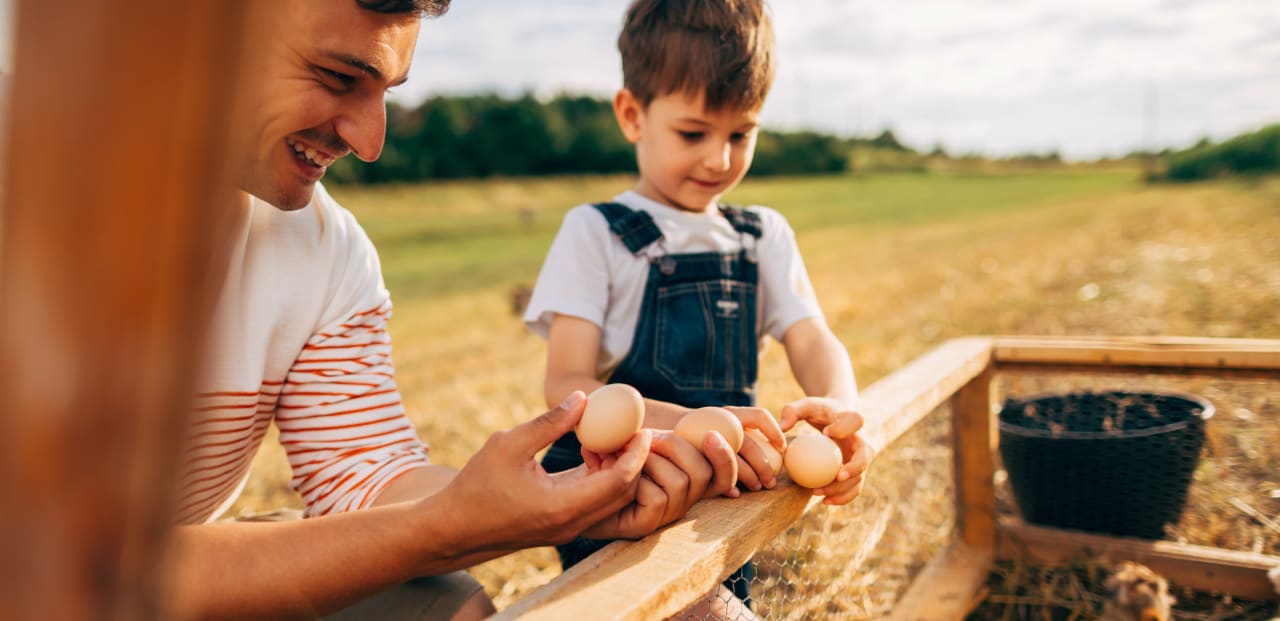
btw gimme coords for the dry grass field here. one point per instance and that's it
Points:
(901, 263)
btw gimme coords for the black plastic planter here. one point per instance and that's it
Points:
(1109, 462)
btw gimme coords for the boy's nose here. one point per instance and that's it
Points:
(717, 157)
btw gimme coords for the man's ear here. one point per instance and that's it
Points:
(629, 112)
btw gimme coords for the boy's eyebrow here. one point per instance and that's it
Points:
(749, 125)
(364, 67)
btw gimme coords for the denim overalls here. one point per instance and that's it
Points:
(695, 342)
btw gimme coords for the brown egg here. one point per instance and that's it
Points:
(770, 454)
(614, 414)
(693, 426)
(813, 460)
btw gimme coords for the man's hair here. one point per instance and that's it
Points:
(723, 48)
(417, 7)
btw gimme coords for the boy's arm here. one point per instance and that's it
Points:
(573, 347)
(821, 365)
(820, 362)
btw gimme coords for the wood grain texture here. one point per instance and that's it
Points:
(114, 191)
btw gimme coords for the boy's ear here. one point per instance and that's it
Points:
(628, 111)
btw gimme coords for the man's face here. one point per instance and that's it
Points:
(321, 69)
(688, 156)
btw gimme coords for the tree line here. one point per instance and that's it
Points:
(476, 136)
(1250, 154)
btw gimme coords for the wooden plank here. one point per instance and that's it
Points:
(1256, 356)
(974, 440)
(666, 572)
(112, 200)
(1242, 574)
(669, 570)
(949, 587)
(898, 401)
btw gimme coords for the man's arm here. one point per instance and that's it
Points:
(307, 568)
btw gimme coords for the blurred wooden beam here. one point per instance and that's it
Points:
(115, 190)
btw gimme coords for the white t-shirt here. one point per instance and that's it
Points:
(589, 273)
(299, 339)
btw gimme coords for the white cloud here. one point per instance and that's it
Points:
(989, 75)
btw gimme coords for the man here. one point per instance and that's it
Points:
(299, 339)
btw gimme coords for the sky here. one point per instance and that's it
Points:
(1088, 78)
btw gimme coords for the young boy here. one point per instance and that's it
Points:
(667, 290)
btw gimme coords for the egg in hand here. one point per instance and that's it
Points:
(694, 425)
(813, 460)
(613, 416)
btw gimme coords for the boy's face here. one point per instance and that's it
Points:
(688, 156)
(321, 71)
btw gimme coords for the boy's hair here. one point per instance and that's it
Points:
(417, 7)
(723, 48)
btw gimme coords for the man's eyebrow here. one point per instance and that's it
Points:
(364, 67)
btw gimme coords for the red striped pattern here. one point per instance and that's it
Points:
(339, 416)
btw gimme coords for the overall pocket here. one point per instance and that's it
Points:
(705, 335)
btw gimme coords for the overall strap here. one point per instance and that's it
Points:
(635, 228)
(743, 221)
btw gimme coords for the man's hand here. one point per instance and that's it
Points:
(753, 468)
(842, 425)
(506, 500)
(676, 476)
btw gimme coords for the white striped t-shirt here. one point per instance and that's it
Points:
(299, 338)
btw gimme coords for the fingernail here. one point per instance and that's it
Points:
(573, 400)
(843, 475)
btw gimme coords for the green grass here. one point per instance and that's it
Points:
(453, 237)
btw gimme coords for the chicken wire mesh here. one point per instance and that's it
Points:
(1231, 498)
(1236, 475)
(855, 561)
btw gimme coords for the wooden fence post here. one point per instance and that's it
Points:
(114, 194)
(974, 437)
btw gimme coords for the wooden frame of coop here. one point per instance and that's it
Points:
(669, 570)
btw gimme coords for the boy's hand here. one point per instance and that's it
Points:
(842, 425)
(753, 468)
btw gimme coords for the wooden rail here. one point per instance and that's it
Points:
(1196, 356)
(666, 572)
(1243, 574)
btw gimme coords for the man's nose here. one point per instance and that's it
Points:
(364, 127)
